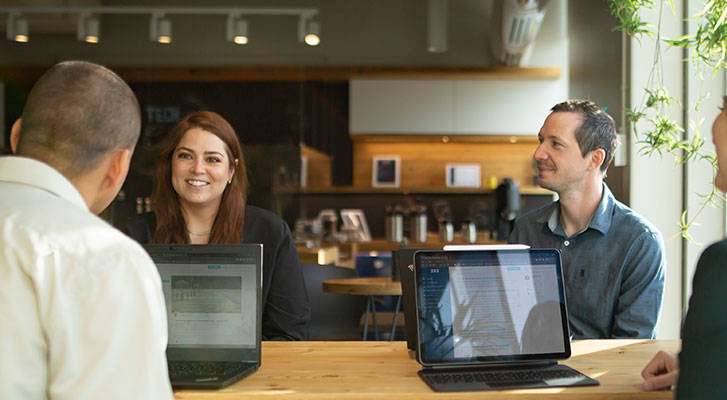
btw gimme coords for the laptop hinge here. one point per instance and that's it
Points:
(495, 364)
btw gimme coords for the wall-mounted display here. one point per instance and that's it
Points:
(386, 171)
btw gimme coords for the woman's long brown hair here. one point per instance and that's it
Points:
(227, 226)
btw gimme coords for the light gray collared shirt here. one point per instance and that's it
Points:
(82, 310)
(613, 269)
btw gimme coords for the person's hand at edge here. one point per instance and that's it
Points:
(661, 372)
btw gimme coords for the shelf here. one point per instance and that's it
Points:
(437, 138)
(277, 73)
(406, 191)
(332, 73)
(474, 73)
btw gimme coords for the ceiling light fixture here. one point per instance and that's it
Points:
(309, 31)
(88, 28)
(17, 28)
(160, 29)
(236, 29)
(313, 37)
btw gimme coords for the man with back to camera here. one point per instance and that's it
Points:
(82, 312)
(613, 259)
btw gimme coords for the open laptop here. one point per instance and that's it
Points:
(213, 296)
(492, 319)
(403, 262)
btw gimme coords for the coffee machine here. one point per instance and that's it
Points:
(508, 207)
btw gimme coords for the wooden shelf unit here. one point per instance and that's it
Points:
(424, 158)
(405, 191)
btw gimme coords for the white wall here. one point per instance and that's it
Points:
(710, 226)
(467, 106)
(656, 183)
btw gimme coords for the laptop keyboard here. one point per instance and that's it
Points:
(192, 369)
(502, 377)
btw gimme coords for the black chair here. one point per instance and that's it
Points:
(333, 316)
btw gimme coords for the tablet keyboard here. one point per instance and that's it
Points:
(507, 376)
(489, 378)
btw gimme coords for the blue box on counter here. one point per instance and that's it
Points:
(376, 265)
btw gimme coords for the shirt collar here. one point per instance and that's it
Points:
(600, 221)
(27, 171)
(550, 214)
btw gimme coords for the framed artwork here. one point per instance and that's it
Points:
(463, 175)
(386, 171)
(355, 220)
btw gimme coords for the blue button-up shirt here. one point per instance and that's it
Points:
(613, 269)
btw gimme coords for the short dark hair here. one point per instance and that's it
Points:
(598, 130)
(76, 114)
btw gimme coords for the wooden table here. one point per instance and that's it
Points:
(384, 370)
(368, 286)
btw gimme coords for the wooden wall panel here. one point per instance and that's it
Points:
(319, 167)
(423, 164)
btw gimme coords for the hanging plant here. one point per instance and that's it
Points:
(653, 129)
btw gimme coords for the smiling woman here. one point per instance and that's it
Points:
(200, 183)
(199, 198)
(202, 168)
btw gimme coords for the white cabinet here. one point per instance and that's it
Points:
(452, 106)
(401, 106)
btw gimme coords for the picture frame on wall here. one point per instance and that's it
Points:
(463, 175)
(386, 171)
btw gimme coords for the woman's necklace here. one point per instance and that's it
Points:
(199, 233)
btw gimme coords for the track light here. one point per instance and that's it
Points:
(88, 28)
(236, 29)
(160, 29)
(313, 38)
(309, 31)
(17, 28)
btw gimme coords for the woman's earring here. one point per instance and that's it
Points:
(230, 181)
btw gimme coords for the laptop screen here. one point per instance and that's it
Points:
(490, 305)
(212, 296)
(209, 304)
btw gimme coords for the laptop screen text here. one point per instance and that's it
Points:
(490, 305)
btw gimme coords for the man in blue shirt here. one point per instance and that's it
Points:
(613, 259)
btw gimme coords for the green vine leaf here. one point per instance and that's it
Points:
(652, 128)
(627, 12)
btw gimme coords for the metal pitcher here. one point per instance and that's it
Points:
(446, 231)
(418, 226)
(394, 226)
(469, 232)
